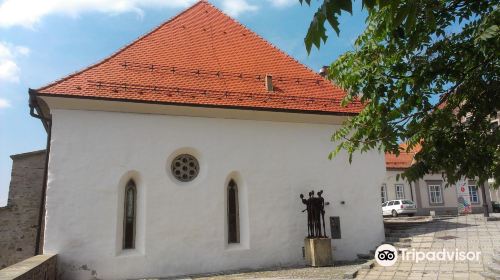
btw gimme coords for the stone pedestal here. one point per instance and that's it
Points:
(318, 251)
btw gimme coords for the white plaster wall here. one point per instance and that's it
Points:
(181, 226)
(449, 193)
(391, 181)
(494, 193)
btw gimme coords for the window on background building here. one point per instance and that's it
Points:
(473, 194)
(400, 191)
(383, 193)
(435, 194)
(495, 125)
(129, 216)
(233, 223)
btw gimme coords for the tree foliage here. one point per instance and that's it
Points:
(428, 72)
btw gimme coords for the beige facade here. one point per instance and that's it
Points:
(396, 189)
(431, 193)
(495, 195)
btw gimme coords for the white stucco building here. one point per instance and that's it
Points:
(186, 151)
(430, 193)
(494, 193)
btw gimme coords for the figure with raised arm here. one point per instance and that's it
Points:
(308, 209)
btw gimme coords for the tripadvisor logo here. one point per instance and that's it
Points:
(442, 255)
(386, 255)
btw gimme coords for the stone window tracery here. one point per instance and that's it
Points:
(185, 167)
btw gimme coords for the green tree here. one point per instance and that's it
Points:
(428, 73)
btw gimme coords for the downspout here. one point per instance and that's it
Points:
(36, 112)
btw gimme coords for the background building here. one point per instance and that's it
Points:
(495, 194)
(430, 193)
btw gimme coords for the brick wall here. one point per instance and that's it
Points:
(19, 219)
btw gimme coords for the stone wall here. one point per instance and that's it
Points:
(19, 219)
(34, 268)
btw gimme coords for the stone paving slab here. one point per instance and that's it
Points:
(294, 273)
(465, 233)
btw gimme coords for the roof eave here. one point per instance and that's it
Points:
(36, 110)
(396, 168)
(284, 110)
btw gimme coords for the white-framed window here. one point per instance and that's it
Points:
(383, 193)
(400, 191)
(495, 125)
(473, 194)
(435, 194)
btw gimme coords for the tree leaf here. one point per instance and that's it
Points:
(490, 32)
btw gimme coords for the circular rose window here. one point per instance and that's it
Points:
(185, 167)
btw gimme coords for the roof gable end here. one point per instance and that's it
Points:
(204, 57)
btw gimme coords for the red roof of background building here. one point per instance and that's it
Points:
(203, 57)
(405, 158)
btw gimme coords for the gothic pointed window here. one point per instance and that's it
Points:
(233, 223)
(129, 216)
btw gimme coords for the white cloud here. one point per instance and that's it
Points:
(4, 103)
(9, 71)
(236, 7)
(28, 13)
(283, 3)
(22, 50)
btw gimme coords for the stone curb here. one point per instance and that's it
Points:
(352, 274)
(489, 275)
(368, 265)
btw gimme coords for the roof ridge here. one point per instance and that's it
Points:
(120, 50)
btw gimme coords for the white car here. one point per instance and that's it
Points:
(398, 207)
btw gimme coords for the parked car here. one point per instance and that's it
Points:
(398, 207)
(496, 206)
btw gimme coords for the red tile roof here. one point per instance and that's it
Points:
(203, 57)
(404, 160)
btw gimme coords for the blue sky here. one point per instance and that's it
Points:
(41, 41)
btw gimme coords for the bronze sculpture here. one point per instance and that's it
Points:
(309, 225)
(315, 207)
(322, 211)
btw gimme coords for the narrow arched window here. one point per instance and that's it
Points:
(129, 216)
(233, 223)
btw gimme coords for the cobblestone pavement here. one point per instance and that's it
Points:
(466, 233)
(322, 273)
